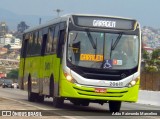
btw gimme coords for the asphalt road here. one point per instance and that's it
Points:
(93, 111)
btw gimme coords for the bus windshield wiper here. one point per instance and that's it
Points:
(91, 39)
(113, 46)
(116, 42)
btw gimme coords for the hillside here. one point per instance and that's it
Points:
(13, 19)
(151, 37)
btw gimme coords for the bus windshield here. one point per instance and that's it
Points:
(103, 50)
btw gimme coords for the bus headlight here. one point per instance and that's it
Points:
(133, 82)
(69, 78)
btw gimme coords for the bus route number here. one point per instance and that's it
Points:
(116, 84)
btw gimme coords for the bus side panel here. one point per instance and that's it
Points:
(47, 68)
(32, 68)
(21, 74)
(34, 71)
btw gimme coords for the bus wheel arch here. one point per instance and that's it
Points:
(31, 96)
(57, 101)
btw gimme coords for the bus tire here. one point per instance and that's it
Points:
(77, 103)
(58, 102)
(31, 96)
(85, 103)
(114, 106)
(40, 98)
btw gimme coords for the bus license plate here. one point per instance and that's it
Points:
(100, 90)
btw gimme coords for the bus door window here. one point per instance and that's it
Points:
(56, 37)
(61, 39)
(74, 47)
(61, 43)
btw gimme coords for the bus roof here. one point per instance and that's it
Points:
(66, 17)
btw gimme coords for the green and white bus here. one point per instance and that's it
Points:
(82, 58)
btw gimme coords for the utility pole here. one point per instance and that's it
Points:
(58, 11)
(40, 20)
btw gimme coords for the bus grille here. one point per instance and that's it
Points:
(91, 92)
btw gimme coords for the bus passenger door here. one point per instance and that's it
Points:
(58, 59)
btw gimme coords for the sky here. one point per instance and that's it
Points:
(147, 12)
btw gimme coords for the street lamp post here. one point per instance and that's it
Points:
(58, 11)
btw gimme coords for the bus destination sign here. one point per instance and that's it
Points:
(104, 22)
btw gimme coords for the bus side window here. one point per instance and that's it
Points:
(24, 46)
(35, 43)
(29, 44)
(50, 42)
(54, 42)
(44, 40)
(39, 43)
(32, 50)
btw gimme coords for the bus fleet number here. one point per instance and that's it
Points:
(116, 84)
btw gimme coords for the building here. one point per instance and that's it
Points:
(15, 43)
(148, 49)
(3, 51)
(3, 28)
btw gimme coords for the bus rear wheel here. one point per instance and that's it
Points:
(85, 103)
(78, 102)
(40, 98)
(58, 102)
(114, 106)
(31, 96)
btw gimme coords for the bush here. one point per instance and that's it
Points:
(151, 69)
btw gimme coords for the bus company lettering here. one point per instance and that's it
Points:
(104, 23)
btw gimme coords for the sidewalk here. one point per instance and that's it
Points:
(149, 97)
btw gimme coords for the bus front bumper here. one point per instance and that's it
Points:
(70, 90)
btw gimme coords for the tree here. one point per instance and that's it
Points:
(7, 46)
(22, 26)
(13, 74)
(156, 54)
(153, 64)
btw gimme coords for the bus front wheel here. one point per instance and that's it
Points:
(58, 102)
(114, 106)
